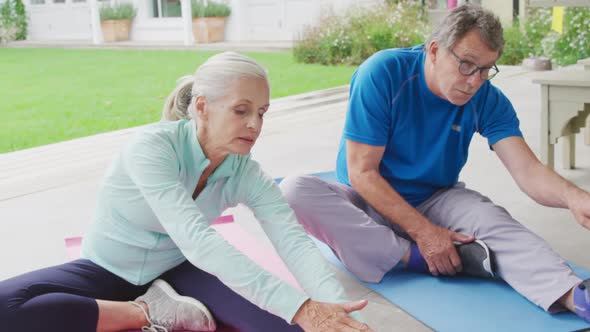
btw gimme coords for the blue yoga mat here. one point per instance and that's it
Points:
(457, 304)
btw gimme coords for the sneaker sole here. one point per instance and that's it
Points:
(487, 263)
(166, 288)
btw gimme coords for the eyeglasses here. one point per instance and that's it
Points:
(467, 68)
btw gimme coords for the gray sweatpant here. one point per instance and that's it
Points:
(369, 246)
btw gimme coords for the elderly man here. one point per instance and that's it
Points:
(410, 120)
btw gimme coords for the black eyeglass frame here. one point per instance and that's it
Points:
(470, 64)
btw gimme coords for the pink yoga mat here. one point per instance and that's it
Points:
(260, 252)
(73, 244)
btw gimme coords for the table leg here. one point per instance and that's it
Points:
(569, 151)
(547, 148)
(547, 155)
(587, 131)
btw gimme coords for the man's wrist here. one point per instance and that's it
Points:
(572, 194)
(418, 227)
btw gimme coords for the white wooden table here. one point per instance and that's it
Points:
(565, 105)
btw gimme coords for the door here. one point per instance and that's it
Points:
(59, 20)
(278, 19)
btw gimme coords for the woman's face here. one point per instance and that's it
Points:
(233, 122)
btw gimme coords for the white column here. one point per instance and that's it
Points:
(236, 26)
(95, 22)
(187, 22)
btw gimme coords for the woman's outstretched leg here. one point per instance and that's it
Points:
(63, 298)
(228, 307)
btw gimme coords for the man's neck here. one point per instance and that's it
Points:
(429, 77)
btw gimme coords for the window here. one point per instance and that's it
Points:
(165, 8)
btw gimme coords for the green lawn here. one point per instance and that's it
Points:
(51, 95)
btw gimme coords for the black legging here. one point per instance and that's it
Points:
(62, 298)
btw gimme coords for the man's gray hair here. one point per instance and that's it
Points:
(211, 81)
(461, 20)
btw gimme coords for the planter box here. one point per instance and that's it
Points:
(115, 30)
(209, 29)
(537, 64)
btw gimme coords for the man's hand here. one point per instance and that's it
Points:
(579, 204)
(438, 249)
(315, 316)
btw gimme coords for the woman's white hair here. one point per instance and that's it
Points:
(210, 81)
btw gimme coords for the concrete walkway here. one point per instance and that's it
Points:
(49, 192)
(243, 46)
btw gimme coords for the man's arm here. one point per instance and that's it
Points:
(435, 243)
(363, 171)
(541, 183)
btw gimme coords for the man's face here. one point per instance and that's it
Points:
(452, 85)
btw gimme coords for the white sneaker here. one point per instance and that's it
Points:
(169, 311)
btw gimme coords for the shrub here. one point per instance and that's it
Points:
(122, 11)
(524, 40)
(20, 19)
(515, 46)
(7, 34)
(7, 29)
(574, 43)
(351, 38)
(535, 38)
(211, 9)
(13, 21)
(535, 28)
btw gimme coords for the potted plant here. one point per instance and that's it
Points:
(209, 20)
(115, 21)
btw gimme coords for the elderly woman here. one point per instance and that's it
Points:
(155, 207)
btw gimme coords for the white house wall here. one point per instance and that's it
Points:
(59, 21)
(250, 20)
(147, 28)
(158, 29)
(280, 19)
(502, 8)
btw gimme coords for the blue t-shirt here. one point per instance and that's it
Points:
(426, 138)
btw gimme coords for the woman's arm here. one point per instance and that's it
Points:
(289, 238)
(153, 166)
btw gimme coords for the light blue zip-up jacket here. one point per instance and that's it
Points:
(146, 221)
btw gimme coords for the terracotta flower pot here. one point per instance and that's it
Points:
(209, 29)
(537, 63)
(115, 30)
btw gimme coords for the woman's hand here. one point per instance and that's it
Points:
(315, 316)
